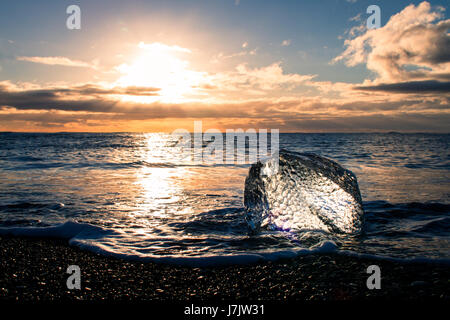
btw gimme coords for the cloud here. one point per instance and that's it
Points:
(59, 61)
(238, 115)
(429, 86)
(262, 79)
(286, 43)
(356, 18)
(91, 106)
(413, 45)
(411, 96)
(222, 56)
(161, 47)
(88, 97)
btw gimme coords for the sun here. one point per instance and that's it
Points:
(159, 66)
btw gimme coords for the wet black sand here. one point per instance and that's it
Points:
(34, 270)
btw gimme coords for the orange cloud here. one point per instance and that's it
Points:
(413, 45)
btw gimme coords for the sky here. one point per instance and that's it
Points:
(296, 66)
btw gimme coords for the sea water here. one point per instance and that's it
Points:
(132, 195)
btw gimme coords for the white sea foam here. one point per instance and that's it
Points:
(103, 241)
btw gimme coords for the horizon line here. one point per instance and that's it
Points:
(280, 132)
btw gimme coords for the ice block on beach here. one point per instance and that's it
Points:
(302, 191)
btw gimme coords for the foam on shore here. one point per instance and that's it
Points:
(92, 238)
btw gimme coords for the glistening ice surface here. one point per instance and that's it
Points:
(302, 192)
(132, 195)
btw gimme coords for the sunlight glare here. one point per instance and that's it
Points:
(158, 66)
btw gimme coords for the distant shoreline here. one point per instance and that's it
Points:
(34, 270)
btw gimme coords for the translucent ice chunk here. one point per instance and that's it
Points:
(304, 192)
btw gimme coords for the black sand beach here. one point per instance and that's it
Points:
(34, 270)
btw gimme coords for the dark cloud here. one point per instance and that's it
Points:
(91, 105)
(299, 123)
(87, 97)
(93, 99)
(7, 92)
(90, 89)
(441, 48)
(373, 123)
(431, 86)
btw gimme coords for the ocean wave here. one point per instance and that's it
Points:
(133, 195)
(67, 230)
(86, 236)
(101, 241)
(40, 165)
